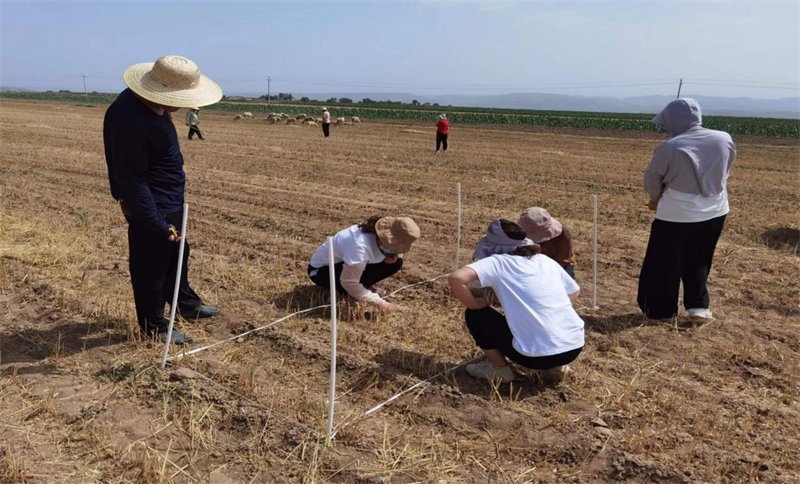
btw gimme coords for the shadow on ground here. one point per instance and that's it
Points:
(66, 338)
(398, 363)
(616, 323)
(782, 238)
(302, 296)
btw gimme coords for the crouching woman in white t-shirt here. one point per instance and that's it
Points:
(540, 330)
(363, 255)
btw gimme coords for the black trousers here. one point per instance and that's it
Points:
(441, 140)
(326, 129)
(153, 264)
(373, 274)
(490, 331)
(677, 252)
(195, 130)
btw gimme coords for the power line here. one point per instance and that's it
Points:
(757, 86)
(750, 81)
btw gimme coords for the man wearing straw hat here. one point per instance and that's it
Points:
(326, 122)
(442, 132)
(193, 123)
(145, 171)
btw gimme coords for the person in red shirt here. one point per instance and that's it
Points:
(442, 130)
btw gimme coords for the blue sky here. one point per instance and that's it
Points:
(429, 47)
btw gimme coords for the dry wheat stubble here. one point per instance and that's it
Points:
(712, 404)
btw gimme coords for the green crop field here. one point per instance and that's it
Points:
(737, 126)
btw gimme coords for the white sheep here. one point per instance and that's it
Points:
(247, 115)
(355, 120)
(237, 117)
(312, 124)
(291, 121)
(339, 121)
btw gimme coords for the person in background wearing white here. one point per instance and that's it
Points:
(193, 123)
(540, 329)
(365, 254)
(687, 183)
(326, 122)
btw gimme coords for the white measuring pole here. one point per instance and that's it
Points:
(332, 396)
(594, 257)
(458, 229)
(174, 305)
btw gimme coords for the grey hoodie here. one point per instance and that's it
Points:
(694, 160)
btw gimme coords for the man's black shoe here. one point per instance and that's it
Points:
(178, 338)
(200, 312)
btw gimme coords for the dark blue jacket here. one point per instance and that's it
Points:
(145, 165)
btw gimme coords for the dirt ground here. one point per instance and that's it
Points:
(82, 398)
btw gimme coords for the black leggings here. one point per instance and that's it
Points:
(677, 252)
(490, 331)
(373, 274)
(441, 140)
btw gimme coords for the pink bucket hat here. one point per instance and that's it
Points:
(539, 225)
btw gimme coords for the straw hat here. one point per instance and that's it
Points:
(324, 109)
(443, 116)
(174, 81)
(539, 225)
(397, 233)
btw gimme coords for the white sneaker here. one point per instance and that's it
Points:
(700, 313)
(485, 369)
(555, 375)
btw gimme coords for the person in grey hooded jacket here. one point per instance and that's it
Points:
(687, 183)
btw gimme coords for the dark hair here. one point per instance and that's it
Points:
(512, 230)
(368, 225)
(526, 251)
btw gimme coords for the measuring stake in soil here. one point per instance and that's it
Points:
(458, 229)
(594, 256)
(177, 286)
(332, 396)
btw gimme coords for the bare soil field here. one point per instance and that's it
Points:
(82, 398)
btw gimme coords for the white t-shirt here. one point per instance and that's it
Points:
(677, 206)
(352, 246)
(534, 295)
(326, 117)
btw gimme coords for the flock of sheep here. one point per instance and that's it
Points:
(275, 118)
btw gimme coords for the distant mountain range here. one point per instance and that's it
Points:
(712, 105)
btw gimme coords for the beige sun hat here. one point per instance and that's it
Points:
(324, 109)
(397, 233)
(174, 81)
(442, 116)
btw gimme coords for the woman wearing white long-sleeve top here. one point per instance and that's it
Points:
(687, 183)
(365, 254)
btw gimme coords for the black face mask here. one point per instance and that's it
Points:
(387, 252)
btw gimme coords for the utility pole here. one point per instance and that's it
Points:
(84, 85)
(680, 84)
(269, 81)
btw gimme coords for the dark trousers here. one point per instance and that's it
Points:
(490, 331)
(677, 252)
(373, 274)
(441, 140)
(153, 264)
(570, 269)
(195, 130)
(326, 129)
